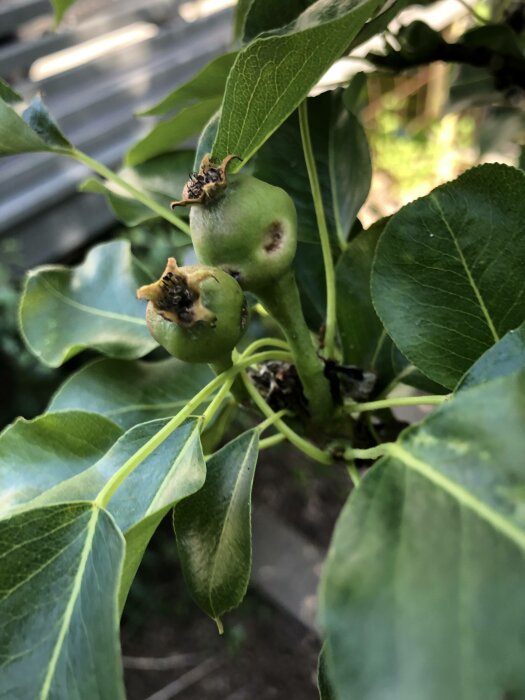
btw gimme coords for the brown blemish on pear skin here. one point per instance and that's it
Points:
(274, 237)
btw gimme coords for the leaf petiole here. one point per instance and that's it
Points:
(432, 400)
(148, 201)
(140, 455)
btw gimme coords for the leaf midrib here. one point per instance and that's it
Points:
(225, 522)
(464, 497)
(89, 309)
(470, 278)
(68, 613)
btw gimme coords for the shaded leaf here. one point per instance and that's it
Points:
(324, 684)
(342, 162)
(422, 593)
(36, 455)
(132, 392)
(265, 15)
(447, 279)
(364, 341)
(213, 529)
(8, 95)
(281, 162)
(27, 129)
(43, 124)
(350, 167)
(380, 22)
(207, 83)
(65, 310)
(241, 10)
(162, 178)
(167, 135)
(309, 272)
(273, 74)
(206, 139)
(502, 359)
(58, 604)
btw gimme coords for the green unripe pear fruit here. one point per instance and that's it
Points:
(243, 225)
(197, 313)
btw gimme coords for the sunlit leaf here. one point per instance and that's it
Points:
(273, 74)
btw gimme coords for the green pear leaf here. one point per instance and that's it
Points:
(131, 392)
(37, 454)
(447, 280)
(213, 529)
(65, 310)
(59, 635)
(422, 592)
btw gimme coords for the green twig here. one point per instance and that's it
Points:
(307, 447)
(368, 453)
(271, 441)
(268, 422)
(149, 202)
(141, 454)
(329, 338)
(214, 405)
(265, 342)
(432, 400)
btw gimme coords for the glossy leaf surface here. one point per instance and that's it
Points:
(132, 392)
(65, 310)
(173, 471)
(273, 74)
(36, 455)
(213, 529)
(422, 588)
(58, 604)
(167, 135)
(502, 359)
(162, 178)
(207, 83)
(448, 280)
